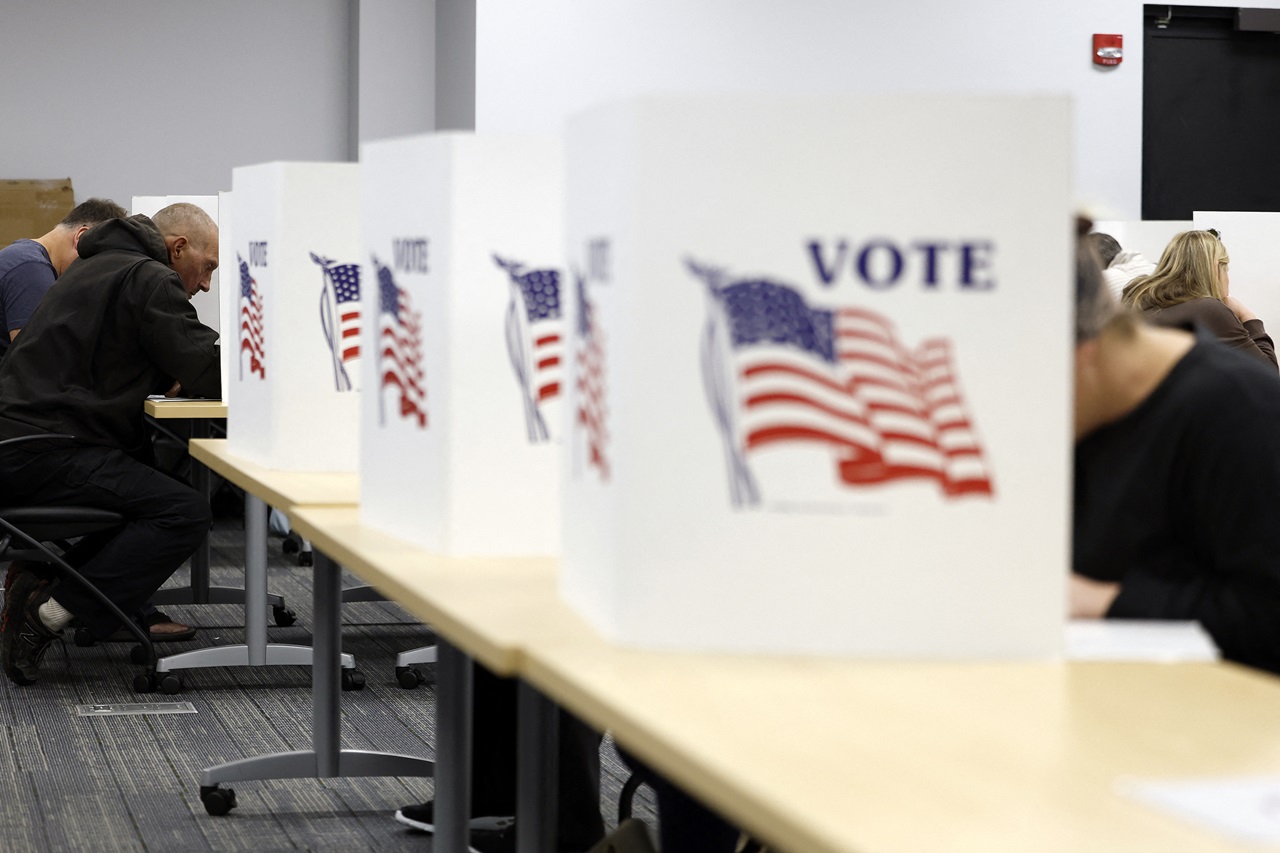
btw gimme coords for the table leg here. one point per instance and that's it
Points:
(326, 634)
(454, 691)
(537, 771)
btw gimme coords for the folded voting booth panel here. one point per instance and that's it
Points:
(819, 375)
(296, 366)
(1252, 241)
(461, 412)
(207, 305)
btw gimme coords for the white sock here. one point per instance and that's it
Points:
(54, 616)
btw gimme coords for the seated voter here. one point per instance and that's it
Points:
(1177, 478)
(1119, 266)
(118, 327)
(28, 268)
(1191, 288)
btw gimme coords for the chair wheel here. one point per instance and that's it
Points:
(284, 616)
(84, 638)
(171, 683)
(138, 654)
(144, 682)
(352, 679)
(305, 558)
(409, 677)
(217, 801)
(289, 545)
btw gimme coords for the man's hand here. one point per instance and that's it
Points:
(1090, 599)
(175, 390)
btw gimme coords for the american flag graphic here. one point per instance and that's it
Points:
(399, 350)
(251, 340)
(340, 315)
(534, 339)
(591, 418)
(780, 372)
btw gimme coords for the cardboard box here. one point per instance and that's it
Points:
(30, 209)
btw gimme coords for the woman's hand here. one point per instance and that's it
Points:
(1238, 308)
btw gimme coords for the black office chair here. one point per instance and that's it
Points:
(24, 532)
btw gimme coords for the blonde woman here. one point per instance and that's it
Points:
(1190, 287)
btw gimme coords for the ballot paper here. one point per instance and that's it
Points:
(1138, 640)
(1244, 808)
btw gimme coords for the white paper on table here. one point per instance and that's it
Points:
(1138, 640)
(1245, 808)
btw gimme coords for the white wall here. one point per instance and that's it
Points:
(165, 98)
(537, 62)
(397, 68)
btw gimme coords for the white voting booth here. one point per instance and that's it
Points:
(207, 305)
(461, 410)
(1252, 240)
(292, 260)
(819, 374)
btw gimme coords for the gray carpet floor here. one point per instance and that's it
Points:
(130, 782)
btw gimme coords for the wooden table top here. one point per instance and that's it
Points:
(283, 490)
(491, 607)
(836, 756)
(161, 409)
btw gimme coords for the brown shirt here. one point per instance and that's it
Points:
(1220, 321)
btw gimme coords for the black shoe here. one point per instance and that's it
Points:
(23, 637)
(422, 816)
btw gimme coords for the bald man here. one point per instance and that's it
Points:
(28, 268)
(118, 327)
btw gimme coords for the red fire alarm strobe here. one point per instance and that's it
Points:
(1108, 49)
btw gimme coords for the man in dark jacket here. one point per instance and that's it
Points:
(117, 327)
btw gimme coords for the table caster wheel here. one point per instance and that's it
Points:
(144, 683)
(84, 638)
(409, 677)
(171, 683)
(284, 616)
(217, 801)
(352, 679)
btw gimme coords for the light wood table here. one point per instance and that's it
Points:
(289, 491)
(263, 487)
(200, 413)
(836, 756)
(826, 756)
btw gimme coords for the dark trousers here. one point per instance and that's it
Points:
(493, 762)
(165, 520)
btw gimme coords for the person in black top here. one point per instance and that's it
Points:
(115, 328)
(1177, 478)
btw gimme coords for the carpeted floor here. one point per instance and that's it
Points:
(129, 783)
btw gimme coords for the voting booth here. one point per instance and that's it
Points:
(295, 366)
(207, 305)
(819, 374)
(461, 425)
(1252, 241)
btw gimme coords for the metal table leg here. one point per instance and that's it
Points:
(455, 678)
(537, 771)
(326, 759)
